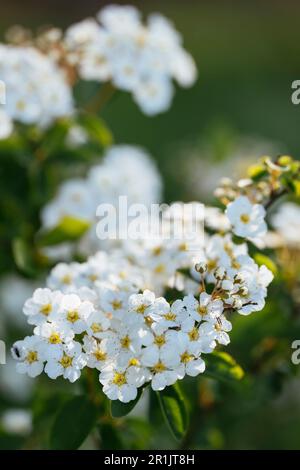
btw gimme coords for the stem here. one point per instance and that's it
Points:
(275, 196)
(98, 102)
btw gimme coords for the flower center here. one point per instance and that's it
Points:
(194, 334)
(134, 362)
(46, 309)
(245, 218)
(141, 308)
(100, 355)
(159, 367)
(72, 316)
(96, 328)
(66, 361)
(157, 251)
(54, 338)
(160, 340)
(116, 304)
(31, 357)
(93, 277)
(170, 316)
(202, 310)
(160, 268)
(119, 379)
(211, 264)
(66, 279)
(125, 342)
(186, 357)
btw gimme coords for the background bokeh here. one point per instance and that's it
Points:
(248, 55)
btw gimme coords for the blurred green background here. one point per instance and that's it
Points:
(248, 55)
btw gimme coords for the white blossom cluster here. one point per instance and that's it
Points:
(105, 182)
(36, 91)
(106, 313)
(139, 58)
(286, 222)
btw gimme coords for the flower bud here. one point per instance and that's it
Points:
(201, 268)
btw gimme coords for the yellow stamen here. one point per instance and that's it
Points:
(100, 355)
(141, 308)
(186, 357)
(66, 361)
(125, 342)
(46, 309)
(170, 316)
(245, 218)
(72, 316)
(96, 328)
(159, 367)
(194, 334)
(31, 357)
(160, 340)
(116, 304)
(119, 379)
(54, 338)
(66, 279)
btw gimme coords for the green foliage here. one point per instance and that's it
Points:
(73, 423)
(173, 406)
(69, 229)
(222, 366)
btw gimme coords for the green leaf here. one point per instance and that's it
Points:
(222, 366)
(68, 229)
(110, 437)
(119, 409)
(23, 256)
(268, 262)
(174, 410)
(54, 139)
(96, 129)
(73, 424)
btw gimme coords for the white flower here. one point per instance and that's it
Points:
(67, 361)
(165, 316)
(207, 307)
(16, 421)
(287, 222)
(74, 312)
(30, 354)
(139, 58)
(42, 306)
(97, 324)
(221, 326)
(121, 382)
(74, 199)
(202, 338)
(97, 352)
(54, 334)
(247, 220)
(36, 89)
(161, 359)
(6, 125)
(154, 95)
(64, 277)
(188, 362)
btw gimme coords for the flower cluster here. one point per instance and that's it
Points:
(105, 182)
(105, 313)
(36, 91)
(142, 59)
